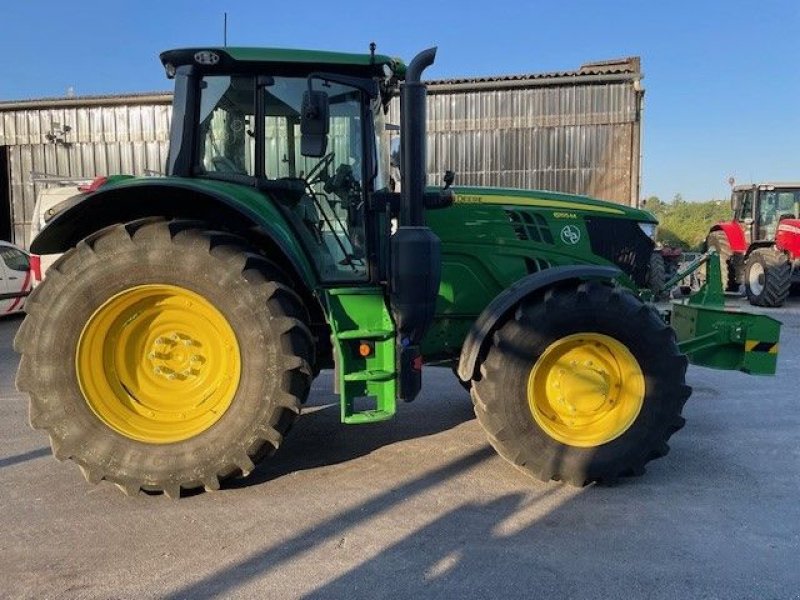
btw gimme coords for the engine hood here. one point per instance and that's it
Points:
(558, 202)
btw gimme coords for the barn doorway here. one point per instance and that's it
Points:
(6, 226)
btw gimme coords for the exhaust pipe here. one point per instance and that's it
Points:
(415, 270)
(413, 128)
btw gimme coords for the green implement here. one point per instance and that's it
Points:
(723, 338)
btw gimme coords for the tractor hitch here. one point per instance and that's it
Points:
(718, 337)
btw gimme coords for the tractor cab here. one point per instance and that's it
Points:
(760, 246)
(759, 208)
(303, 128)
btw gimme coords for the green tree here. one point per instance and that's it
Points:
(685, 224)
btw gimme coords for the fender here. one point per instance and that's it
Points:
(481, 331)
(234, 207)
(787, 237)
(733, 231)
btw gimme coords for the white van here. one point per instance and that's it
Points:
(19, 272)
(47, 206)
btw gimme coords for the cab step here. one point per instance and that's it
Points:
(365, 348)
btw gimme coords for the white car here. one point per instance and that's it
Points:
(19, 272)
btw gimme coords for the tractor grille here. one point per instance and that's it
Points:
(622, 242)
(529, 226)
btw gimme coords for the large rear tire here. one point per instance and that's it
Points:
(768, 277)
(163, 356)
(585, 384)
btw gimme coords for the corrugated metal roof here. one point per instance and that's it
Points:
(629, 66)
(767, 184)
(93, 100)
(616, 66)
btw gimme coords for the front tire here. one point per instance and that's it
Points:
(657, 275)
(162, 356)
(768, 277)
(584, 384)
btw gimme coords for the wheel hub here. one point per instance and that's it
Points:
(756, 278)
(177, 356)
(586, 389)
(158, 363)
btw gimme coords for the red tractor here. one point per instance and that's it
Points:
(761, 244)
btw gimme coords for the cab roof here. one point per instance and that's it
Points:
(767, 185)
(283, 59)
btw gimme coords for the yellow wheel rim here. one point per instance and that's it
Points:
(158, 363)
(586, 389)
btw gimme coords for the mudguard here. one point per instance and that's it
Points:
(484, 326)
(787, 237)
(735, 235)
(221, 204)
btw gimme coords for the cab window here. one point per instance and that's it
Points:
(227, 119)
(746, 210)
(773, 206)
(330, 215)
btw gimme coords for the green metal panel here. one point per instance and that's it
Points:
(549, 200)
(484, 251)
(358, 315)
(720, 338)
(248, 200)
(727, 339)
(270, 57)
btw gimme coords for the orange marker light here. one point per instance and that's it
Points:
(364, 349)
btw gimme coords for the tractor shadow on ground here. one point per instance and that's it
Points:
(319, 439)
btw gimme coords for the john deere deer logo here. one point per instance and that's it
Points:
(570, 235)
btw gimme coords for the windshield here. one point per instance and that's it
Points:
(782, 202)
(330, 214)
(775, 205)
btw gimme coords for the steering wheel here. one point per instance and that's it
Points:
(315, 173)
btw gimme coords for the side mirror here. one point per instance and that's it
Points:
(394, 152)
(449, 178)
(314, 124)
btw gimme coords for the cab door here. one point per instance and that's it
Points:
(743, 201)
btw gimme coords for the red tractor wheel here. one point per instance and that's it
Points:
(768, 277)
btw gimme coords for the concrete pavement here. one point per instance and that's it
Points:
(421, 506)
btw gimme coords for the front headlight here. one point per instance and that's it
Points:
(649, 229)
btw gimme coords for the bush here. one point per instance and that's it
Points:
(686, 224)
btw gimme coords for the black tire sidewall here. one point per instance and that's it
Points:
(93, 282)
(541, 328)
(657, 274)
(774, 291)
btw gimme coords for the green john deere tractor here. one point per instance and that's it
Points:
(175, 341)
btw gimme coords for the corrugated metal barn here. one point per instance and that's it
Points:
(576, 131)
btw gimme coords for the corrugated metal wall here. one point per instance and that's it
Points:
(574, 132)
(581, 139)
(103, 140)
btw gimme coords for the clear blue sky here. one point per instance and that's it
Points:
(722, 78)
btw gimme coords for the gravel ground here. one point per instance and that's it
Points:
(421, 506)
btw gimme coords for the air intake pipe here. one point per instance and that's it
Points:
(415, 250)
(413, 129)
